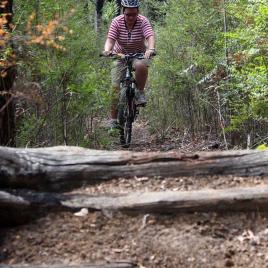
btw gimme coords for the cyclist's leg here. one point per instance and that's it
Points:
(141, 75)
(114, 102)
(117, 73)
(141, 72)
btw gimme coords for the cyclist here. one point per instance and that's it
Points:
(129, 33)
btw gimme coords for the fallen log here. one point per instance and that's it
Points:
(231, 199)
(63, 168)
(108, 265)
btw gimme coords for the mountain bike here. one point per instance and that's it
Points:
(127, 107)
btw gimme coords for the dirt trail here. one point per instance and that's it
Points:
(182, 240)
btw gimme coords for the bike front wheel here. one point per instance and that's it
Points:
(122, 122)
(127, 133)
(126, 116)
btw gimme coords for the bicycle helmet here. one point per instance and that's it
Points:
(130, 3)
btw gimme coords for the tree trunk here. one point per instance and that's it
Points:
(7, 77)
(21, 203)
(64, 168)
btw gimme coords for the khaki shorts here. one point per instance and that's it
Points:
(119, 69)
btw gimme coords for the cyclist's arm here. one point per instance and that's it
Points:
(109, 44)
(150, 47)
(151, 42)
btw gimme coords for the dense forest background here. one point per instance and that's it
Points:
(209, 79)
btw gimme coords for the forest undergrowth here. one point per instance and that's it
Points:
(207, 92)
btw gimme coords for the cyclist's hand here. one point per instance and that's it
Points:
(107, 53)
(149, 53)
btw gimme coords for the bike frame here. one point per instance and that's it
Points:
(127, 109)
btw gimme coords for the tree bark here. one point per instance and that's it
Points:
(231, 199)
(65, 168)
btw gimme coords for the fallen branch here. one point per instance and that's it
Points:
(231, 199)
(217, 74)
(62, 168)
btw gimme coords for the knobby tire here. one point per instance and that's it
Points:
(126, 116)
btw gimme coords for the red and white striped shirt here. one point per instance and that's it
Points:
(130, 41)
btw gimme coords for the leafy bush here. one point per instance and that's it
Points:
(74, 82)
(248, 45)
(188, 37)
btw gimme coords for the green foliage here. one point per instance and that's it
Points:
(155, 10)
(109, 11)
(192, 35)
(187, 37)
(262, 147)
(28, 125)
(249, 64)
(191, 45)
(75, 83)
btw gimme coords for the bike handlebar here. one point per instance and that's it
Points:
(126, 56)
